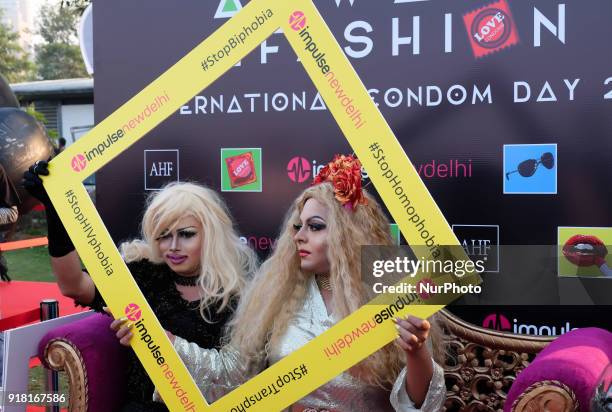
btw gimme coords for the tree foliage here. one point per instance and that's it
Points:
(14, 61)
(79, 5)
(59, 56)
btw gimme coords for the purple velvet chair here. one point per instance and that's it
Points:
(564, 375)
(489, 370)
(96, 378)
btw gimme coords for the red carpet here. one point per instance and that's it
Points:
(22, 244)
(21, 301)
(18, 297)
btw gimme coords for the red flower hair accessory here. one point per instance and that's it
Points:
(344, 172)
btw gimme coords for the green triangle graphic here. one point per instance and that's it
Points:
(230, 6)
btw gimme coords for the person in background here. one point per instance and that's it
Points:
(9, 200)
(61, 145)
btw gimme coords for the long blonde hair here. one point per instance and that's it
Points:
(260, 322)
(225, 260)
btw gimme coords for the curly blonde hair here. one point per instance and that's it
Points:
(226, 261)
(259, 323)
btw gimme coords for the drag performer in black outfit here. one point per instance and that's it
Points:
(189, 264)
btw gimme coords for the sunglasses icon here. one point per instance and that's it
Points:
(528, 167)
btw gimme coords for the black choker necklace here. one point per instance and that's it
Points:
(185, 280)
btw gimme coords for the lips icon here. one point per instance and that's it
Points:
(585, 250)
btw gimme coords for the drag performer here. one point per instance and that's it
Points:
(310, 282)
(190, 265)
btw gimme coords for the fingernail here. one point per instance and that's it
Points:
(105, 308)
(123, 319)
(128, 325)
(397, 327)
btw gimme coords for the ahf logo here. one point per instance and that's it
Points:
(480, 242)
(160, 168)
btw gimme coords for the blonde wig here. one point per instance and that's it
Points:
(260, 322)
(225, 260)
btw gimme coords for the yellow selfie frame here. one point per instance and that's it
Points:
(372, 140)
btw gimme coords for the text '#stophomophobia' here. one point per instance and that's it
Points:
(238, 39)
(400, 193)
(87, 228)
(272, 389)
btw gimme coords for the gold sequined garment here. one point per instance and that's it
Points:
(219, 372)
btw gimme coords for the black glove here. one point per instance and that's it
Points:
(59, 241)
(34, 185)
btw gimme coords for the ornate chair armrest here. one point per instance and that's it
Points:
(62, 355)
(547, 395)
(566, 370)
(93, 359)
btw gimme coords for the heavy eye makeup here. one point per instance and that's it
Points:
(183, 233)
(313, 225)
(164, 235)
(187, 233)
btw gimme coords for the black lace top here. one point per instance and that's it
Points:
(180, 317)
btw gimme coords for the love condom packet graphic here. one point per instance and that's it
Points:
(241, 169)
(491, 28)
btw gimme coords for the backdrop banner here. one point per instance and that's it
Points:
(395, 178)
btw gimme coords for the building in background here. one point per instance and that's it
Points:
(67, 104)
(22, 15)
